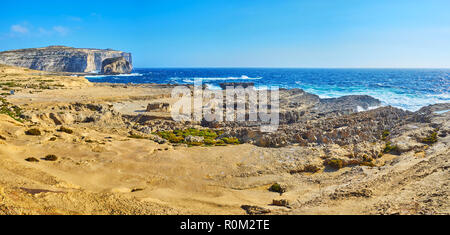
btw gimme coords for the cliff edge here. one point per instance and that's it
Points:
(61, 58)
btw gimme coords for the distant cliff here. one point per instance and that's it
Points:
(61, 58)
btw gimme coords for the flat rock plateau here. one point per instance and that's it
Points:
(69, 146)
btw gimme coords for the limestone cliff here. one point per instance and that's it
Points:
(61, 58)
(117, 65)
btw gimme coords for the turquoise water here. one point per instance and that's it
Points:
(408, 89)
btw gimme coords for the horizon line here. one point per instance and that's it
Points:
(250, 67)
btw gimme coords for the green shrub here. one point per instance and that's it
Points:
(207, 133)
(220, 143)
(335, 163)
(431, 139)
(194, 144)
(385, 134)
(209, 142)
(276, 187)
(164, 134)
(33, 131)
(210, 137)
(389, 148)
(10, 110)
(231, 140)
(175, 139)
(367, 158)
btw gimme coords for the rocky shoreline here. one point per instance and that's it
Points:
(115, 150)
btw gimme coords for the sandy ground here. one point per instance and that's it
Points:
(100, 170)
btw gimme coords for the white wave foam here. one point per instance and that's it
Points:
(361, 109)
(442, 95)
(191, 79)
(118, 75)
(388, 96)
(213, 87)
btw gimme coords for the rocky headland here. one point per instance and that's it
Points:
(69, 146)
(117, 65)
(61, 58)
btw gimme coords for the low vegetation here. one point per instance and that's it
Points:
(334, 163)
(10, 84)
(190, 144)
(210, 137)
(220, 143)
(206, 133)
(389, 148)
(13, 111)
(432, 138)
(35, 84)
(385, 135)
(210, 142)
(276, 187)
(231, 140)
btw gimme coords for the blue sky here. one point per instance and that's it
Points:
(240, 33)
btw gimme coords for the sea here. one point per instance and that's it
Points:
(408, 89)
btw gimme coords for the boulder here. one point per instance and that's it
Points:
(118, 65)
(352, 103)
(281, 202)
(194, 139)
(165, 107)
